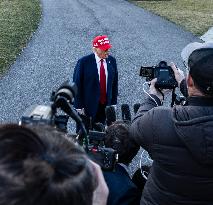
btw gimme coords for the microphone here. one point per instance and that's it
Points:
(65, 90)
(110, 115)
(136, 107)
(125, 112)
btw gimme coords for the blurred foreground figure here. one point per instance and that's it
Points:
(41, 166)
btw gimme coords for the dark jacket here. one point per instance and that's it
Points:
(122, 191)
(180, 141)
(87, 80)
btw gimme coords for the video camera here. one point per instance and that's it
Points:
(105, 157)
(45, 114)
(164, 74)
(62, 100)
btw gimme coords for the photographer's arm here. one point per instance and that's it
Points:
(180, 78)
(142, 127)
(154, 99)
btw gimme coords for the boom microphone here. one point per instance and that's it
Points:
(110, 115)
(125, 112)
(136, 107)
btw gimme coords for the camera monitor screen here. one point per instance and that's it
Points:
(146, 71)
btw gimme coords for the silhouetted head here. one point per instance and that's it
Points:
(117, 137)
(41, 166)
(198, 57)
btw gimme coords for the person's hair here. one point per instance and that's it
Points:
(117, 137)
(41, 166)
(201, 70)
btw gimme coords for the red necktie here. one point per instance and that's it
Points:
(102, 83)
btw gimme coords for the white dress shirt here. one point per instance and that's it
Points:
(98, 62)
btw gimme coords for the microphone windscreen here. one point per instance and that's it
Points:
(71, 87)
(65, 90)
(110, 115)
(125, 112)
(136, 107)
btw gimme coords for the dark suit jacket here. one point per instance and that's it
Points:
(87, 80)
(122, 191)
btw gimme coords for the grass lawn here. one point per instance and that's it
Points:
(18, 19)
(195, 16)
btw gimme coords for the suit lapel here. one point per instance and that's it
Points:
(94, 66)
(109, 69)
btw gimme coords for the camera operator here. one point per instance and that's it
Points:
(122, 191)
(180, 139)
(41, 166)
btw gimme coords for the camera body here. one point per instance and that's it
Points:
(105, 157)
(43, 114)
(61, 99)
(164, 74)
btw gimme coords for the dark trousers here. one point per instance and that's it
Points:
(100, 115)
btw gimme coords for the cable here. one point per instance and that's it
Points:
(148, 93)
(143, 172)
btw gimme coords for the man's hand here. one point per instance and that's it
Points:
(159, 93)
(154, 91)
(101, 193)
(179, 75)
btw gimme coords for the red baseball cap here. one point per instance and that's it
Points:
(101, 42)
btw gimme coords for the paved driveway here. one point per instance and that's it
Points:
(65, 33)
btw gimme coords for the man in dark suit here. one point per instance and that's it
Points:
(96, 77)
(122, 191)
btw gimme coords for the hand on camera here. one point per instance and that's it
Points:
(179, 74)
(159, 93)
